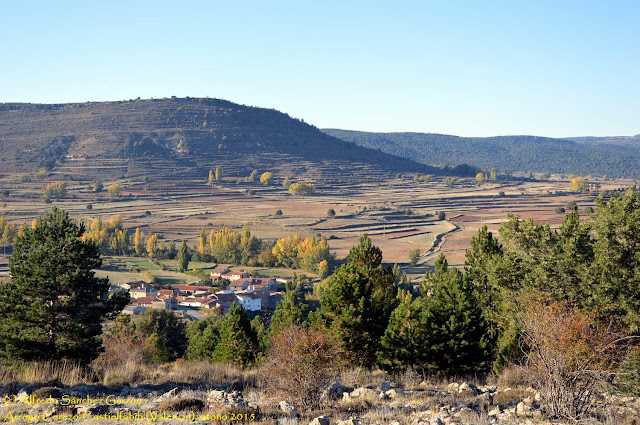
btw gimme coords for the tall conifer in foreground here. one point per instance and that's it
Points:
(290, 311)
(357, 302)
(456, 337)
(442, 331)
(238, 342)
(53, 306)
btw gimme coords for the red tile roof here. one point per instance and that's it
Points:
(143, 300)
(190, 288)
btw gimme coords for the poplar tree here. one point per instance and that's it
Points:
(53, 307)
(137, 241)
(152, 245)
(202, 243)
(183, 257)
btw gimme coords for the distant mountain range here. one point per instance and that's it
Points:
(611, 156)
(185, 137)
(180, 138)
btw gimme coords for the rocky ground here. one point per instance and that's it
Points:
(385, 403)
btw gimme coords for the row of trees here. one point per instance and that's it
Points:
(228, 246)
(224, 246)
(482, 177)
(113, 239)
(215, 176)
(302, 189)
(266, 179)
(232, 247)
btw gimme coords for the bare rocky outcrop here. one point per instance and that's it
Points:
(232, 399)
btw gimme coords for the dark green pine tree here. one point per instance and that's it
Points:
(456, 335)
(238, 342)
(357, 303)
(290, 311)
(482, 264)
(203, 336)
(404, 338)
(261, 331)
(613, 278)
(183, 257)
(165, 331)
(53, 307)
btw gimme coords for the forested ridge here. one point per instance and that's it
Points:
(613, 157)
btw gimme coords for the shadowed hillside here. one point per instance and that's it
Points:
(164, 137)
(614, 157)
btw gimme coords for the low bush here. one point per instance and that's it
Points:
(301, 363)
(572, 358)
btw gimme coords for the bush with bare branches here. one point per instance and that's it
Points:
(571, 357)
(302, 362)
(123, 359)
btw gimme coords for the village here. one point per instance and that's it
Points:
(191, 301)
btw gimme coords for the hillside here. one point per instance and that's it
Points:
(627, 141)
(614, 157)
(172, 136)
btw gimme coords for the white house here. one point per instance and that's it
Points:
(250, 301)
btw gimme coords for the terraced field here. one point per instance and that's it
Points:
(397, 213)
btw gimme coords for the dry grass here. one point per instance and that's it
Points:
(511, 397)
(181, 405)
(69, 374)
(512, 377)
(361, 377)
(65, 373)
(127, 373)
(213, 374)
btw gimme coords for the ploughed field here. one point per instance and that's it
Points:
(398, 213)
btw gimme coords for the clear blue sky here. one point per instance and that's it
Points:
(552, 68)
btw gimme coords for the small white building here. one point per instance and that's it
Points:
(143, 292)
(250, 301)
(236, 275)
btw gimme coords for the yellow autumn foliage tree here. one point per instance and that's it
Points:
(138, 243)
(152, 245)
(109, 234)
(578, 184)
(293, 251)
